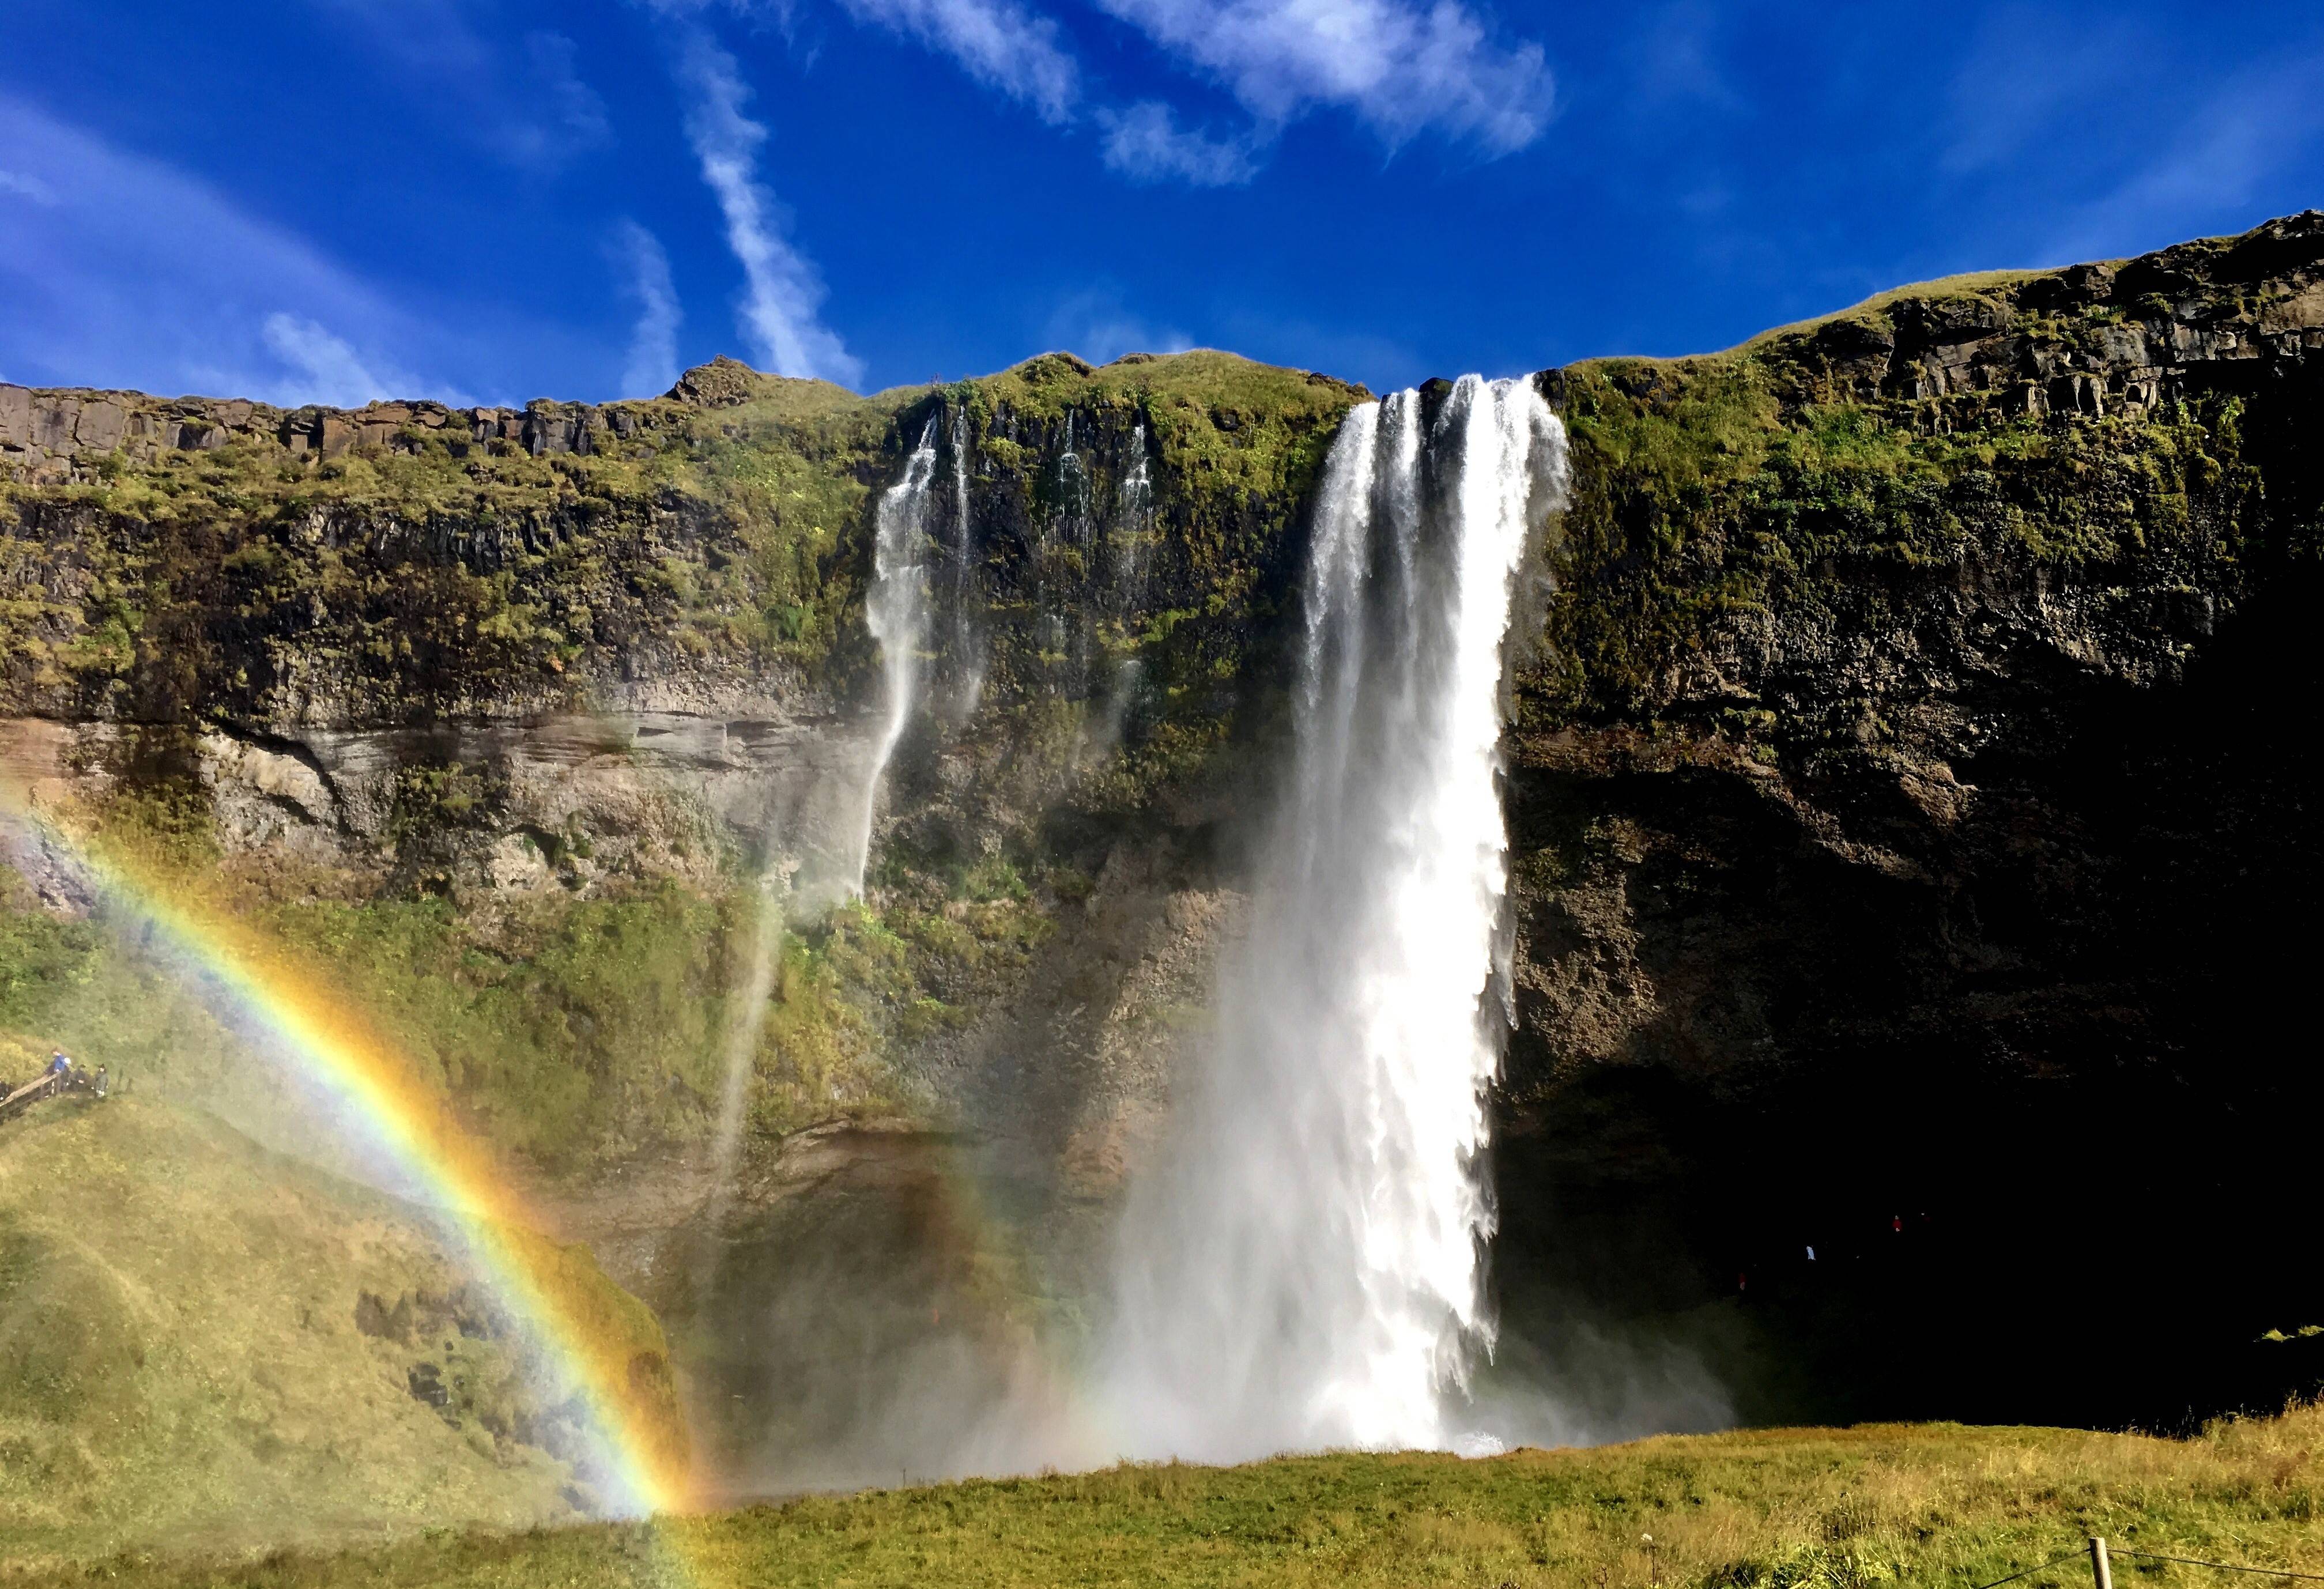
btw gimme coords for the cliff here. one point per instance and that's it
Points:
(1906, 792)
(1911, 814)
(525, 705)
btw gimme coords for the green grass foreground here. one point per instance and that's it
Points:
(1934, 1504)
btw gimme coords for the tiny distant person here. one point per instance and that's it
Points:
(58, 1064)
(97, 1084)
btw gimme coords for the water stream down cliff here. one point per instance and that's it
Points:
(1304, 1270)
(897, 612)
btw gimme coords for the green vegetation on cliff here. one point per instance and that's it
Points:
(429, 570)
(568, 1030)
(435, 564)
(424, 570)
(2082, 429)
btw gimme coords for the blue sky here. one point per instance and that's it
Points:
(327, 200)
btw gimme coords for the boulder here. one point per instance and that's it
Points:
(53, 414)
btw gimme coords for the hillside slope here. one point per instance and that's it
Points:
(206, 1344)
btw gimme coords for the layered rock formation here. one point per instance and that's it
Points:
(44, 434)
(229, 593)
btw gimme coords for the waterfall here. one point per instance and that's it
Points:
(1302, 1267)
(1073, 488)
(897, 612)
(1133, 529)
(968, 685)
(1118, 593)
(746, 1021)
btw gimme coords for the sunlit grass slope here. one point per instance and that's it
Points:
(1938, 1504)
(206, 1344)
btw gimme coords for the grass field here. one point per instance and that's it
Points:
(1937, 1504)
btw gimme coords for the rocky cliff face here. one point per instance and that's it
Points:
(323, 616)
(1907, 784)
(1913, 839)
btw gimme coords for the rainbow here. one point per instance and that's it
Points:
(640, 1463)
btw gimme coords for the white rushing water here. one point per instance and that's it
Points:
(897, 611)
(968, 680)
(1133, 528)
(1303, 1267)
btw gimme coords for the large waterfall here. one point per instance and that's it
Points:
(1302, 1268)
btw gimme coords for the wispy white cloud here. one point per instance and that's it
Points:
(1000, 44)
(579, 109)
(1146, 144)
(127, 272)
(1402, 67)
(20, 186)
(652, 366)
(1094, 324)
(324, 369)
(784, 294)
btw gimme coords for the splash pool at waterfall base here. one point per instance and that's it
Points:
(1936, 1504)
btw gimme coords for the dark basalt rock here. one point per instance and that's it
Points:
(1915, 855)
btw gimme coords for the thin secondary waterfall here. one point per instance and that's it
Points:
(1063, 621)
(1073, 488)
(968, 681)
(1119, 558)
(1133, 529)
(895, 610)
(964, 544)
(746, 1019)
(1303, 1268)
